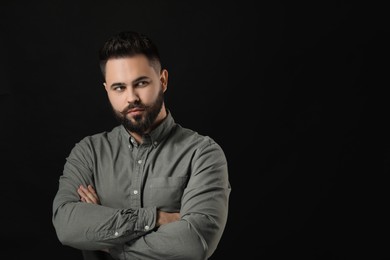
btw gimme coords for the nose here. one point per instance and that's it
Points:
(132, 95)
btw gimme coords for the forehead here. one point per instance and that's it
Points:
(127, 68)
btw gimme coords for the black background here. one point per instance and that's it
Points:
(289, 89)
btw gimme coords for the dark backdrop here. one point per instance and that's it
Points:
(284, 87)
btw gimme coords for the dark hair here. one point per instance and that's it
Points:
(128, 44)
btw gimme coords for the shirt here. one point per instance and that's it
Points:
(174, 169)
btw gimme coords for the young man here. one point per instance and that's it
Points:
(149, 188)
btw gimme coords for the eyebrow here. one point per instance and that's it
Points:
(121, 84)
(118, 84)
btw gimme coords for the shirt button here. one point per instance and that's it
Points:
(147, 227)
(135, 192)
(116, 234)
(139, 161)
(129, 146)
(155, 143)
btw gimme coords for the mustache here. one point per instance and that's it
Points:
(132, 106)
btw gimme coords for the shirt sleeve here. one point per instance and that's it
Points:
(204, 213)
(88, 226)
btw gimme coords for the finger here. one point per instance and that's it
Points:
(83, 188)
(83, 194)
(92, 190)
(92, 198)
(88, 194)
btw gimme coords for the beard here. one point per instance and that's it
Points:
(140, 124)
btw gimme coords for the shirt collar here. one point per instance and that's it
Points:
(157, 134)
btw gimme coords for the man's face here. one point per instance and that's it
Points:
(136, 92)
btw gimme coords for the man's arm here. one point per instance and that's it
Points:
(203, 213)
(89, 226)
(89, 195)
(195, 236)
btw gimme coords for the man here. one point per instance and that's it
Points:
(149, 188)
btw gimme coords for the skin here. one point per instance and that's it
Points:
(129, 81)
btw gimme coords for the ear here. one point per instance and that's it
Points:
(164, 79)
(105, 86)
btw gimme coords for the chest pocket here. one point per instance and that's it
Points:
(164, 192)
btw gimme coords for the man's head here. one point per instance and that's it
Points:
(134, 81)
(128, 44)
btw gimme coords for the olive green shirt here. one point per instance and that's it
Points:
(174, 169)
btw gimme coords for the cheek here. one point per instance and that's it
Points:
(149, 97)
(115, 101)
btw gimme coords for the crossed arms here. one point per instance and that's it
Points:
(192, 231)
(89, 195)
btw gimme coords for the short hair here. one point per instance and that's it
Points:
(128, 44)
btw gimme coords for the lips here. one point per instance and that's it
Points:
(135, 111)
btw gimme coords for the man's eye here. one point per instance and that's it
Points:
(142, 83)
(119, 88)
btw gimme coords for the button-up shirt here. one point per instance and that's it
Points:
(174, 169)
